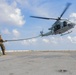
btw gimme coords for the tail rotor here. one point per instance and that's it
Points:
(41, 32)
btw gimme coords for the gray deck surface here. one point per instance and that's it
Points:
(38, 63)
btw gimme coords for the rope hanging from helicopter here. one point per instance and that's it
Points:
(21, 39)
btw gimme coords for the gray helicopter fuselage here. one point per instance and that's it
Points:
(62, 26)
(59, 27)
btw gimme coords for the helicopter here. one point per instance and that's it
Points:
(60, 26)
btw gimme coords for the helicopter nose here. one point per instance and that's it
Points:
(71, 25)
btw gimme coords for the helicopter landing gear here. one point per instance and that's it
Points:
(66, 33)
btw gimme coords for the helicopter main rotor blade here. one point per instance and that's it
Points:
(43, 18)
(67, 6)
(59, 18)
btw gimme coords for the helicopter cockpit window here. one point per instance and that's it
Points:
(64, 23)
(56, 27)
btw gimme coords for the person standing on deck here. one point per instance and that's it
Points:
(2, 45)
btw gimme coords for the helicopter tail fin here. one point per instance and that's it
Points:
(41, 33)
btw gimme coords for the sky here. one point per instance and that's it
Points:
(16, 23)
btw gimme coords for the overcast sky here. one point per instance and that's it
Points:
(16, 23)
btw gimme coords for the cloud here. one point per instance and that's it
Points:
(45, 40)
(73, 17)
(23, 2)
(72, 39)
(6, 31)
(28, 42)
(16, 17)
(11, 14)
(52, 40)
(32, 40)
(37, 7)
(16, 33)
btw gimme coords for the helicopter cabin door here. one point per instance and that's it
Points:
(56, 28)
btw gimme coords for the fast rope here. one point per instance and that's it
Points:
(21, 39)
